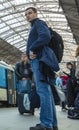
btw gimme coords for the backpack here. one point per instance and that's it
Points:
(56, 44)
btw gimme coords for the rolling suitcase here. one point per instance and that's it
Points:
(21, 106)
(24, 87)
(27, 102)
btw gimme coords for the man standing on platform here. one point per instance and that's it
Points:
(39, 37)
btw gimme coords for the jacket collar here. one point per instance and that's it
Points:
(33, 21)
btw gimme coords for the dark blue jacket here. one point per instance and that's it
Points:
(49, 59)
(48, 65)
(38, 37)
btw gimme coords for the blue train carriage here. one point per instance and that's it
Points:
(7, 85)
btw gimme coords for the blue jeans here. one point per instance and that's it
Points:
(47, 106)
(23, 86)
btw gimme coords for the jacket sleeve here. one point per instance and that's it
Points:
(43, 35)
(17, 71)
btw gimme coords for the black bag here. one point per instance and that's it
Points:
(28, 101)
(21, 107)
(56, 44)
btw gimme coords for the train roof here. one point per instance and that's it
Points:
(5, 65)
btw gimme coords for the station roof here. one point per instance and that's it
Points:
(61, 15)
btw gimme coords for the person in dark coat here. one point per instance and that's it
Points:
(70, 85)
(23, 73)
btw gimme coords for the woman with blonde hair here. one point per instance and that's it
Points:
(77, 65)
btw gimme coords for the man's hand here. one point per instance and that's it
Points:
(32, 55)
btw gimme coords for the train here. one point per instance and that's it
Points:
(7, 85)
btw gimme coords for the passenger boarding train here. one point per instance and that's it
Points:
(7, 85)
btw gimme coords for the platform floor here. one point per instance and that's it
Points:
(10, 119)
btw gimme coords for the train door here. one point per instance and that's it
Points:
(11, 89)
(3, 86)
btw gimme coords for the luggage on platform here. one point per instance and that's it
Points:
(21, 106)
(27, 102)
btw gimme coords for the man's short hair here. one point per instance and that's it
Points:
(69, 63)
(33, 8)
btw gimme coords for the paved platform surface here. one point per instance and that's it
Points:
(10, 119)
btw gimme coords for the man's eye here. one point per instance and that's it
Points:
(28, 13)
